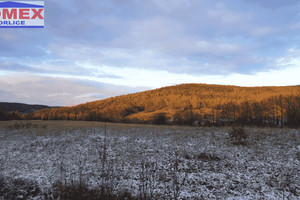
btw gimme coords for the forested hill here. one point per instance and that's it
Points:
(7, 107)
(190, 103)
(13, 111)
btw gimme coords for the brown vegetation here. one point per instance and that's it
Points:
(190, 104)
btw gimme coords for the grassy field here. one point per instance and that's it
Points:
(58, 159)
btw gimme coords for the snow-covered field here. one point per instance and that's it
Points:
(158, 162)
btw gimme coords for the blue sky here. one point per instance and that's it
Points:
(95, 49)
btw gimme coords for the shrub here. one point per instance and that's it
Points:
(160, 119)
(82, 192)
(18, 188)
(238, 136)
(23, 125)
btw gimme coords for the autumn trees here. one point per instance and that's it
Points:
(191, 104)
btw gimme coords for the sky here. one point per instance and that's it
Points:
(96, 49)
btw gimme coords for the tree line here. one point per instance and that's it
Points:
(274, 111)
(4, 116)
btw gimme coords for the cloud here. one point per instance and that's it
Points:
(262, 31)
(52, 68)
(27, 88)
(171, 55)
(290, 59)
(161, 40)
(285, 74)
(274, 4)
(174, 36)
(172, 5)
(87, 45)
(9, 66)
(59, 94)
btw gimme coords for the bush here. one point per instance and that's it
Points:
(238, 136)
(18, 188)
(23, 189)
(82, 192)
(21, 125)
(160, 119)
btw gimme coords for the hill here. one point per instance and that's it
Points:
(20, 107)
(15, 111)
(188, 103)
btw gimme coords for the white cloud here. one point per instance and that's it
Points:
(262, 31)
(290, 59)
(59, 94)
(133, 77)
(172, 5)
(216, 47)
(56, 91)
(220, 13)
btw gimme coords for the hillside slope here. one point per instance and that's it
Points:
(206, 101)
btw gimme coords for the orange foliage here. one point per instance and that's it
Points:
(201, 99)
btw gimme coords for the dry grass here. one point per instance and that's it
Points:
(55, 124)
(201, 162)
(44, 127)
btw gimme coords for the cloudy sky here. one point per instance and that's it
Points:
(95, 49)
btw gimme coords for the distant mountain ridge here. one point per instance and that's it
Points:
(8, 107)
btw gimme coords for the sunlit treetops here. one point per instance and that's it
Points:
(211, 102)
